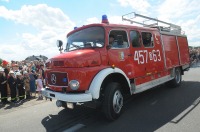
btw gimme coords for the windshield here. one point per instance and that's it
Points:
(87, 38)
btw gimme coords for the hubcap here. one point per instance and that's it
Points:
(117, 101)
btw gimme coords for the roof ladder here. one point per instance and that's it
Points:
(168, 27)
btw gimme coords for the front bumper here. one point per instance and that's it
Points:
(67, 97)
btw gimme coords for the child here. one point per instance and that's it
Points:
(39, 86)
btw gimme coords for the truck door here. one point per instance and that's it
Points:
(119, 52)
(138, 55)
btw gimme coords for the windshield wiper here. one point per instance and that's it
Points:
(76, 46)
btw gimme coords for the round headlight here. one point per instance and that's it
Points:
(74, 84)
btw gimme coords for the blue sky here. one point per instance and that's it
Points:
(31, 27)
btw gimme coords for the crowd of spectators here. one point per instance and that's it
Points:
(22, 80)
(194, 56)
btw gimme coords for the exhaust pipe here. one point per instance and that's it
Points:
(58, 103)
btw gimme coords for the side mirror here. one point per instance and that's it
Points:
(59, 43)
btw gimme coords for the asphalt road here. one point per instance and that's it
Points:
(161, 109)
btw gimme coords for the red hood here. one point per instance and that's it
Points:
(77, 58)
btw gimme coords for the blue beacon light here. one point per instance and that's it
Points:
(75, 28)
(104, 19)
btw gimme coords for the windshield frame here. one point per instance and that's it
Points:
(87, 38)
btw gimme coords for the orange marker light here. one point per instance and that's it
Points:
(113, 66)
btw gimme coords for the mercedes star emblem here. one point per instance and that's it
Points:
(53, 78)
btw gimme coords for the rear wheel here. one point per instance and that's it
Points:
(177, 79)
(113, 101)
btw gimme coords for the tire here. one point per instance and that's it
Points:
(177, 79)
(113, 101)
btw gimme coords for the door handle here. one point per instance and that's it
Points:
(129, 54)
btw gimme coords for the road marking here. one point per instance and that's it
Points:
(185, 112)
(74, 128)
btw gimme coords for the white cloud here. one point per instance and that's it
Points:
(115, 19)
(192, 28)
(137, 5)
(19, 52)
(8, 52)
(40, 16)
(92, 20)
(178, 8)
(51, 24)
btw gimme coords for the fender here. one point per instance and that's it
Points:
(94, 88)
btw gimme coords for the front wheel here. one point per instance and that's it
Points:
(177, 79)
(113, 101)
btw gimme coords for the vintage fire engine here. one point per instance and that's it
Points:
(104, 63)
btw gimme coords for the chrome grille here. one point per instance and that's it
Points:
(57, 79)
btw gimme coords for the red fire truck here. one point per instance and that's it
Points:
(104, 63)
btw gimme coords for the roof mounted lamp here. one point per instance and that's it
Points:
(105, 19)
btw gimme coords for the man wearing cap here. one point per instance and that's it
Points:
(3, 86)
(12, 85)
